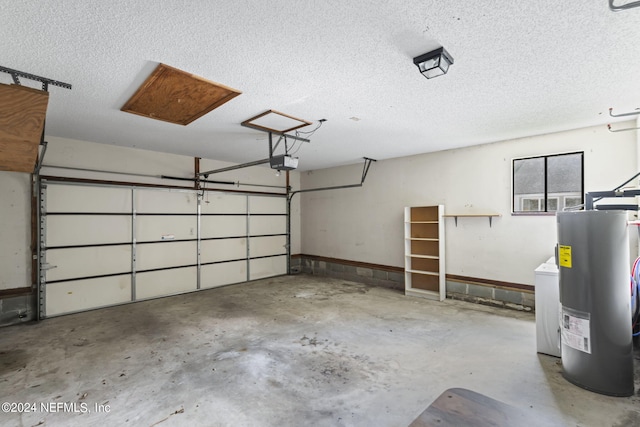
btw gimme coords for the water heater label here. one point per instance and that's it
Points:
(564, 256)
(575, 330)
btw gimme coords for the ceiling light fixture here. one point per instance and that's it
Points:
(434, 63)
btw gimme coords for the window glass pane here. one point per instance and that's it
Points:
(530, 205)
(560, 188)
(528, 183)
(564, 173)
(570, 202)
(564, 176)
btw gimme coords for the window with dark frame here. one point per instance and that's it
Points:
(546, 184)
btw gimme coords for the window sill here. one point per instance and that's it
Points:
(533, 213)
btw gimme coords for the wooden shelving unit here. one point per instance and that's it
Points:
(424, 252)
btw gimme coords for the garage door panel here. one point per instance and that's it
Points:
(267, 267)
(88, 241)
(75, 198)
(267, 225)
(223, 250)
(68, 230)
(163, 201)
(267, 204)
(78, 295)
(165, 282)
(223, 226)
(224, 203)
(157, 228)
(89, 261)
(265, 246)
(225, 273)
(166, 254)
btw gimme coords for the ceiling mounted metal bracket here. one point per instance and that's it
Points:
(15, 75)
(365, 171)
(620, 7)
(38, 166)
(297, 138)
(272, 147)
(632, 113)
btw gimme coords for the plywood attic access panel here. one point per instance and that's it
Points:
(22, 114)
(175, 96)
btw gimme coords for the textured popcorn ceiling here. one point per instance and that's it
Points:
(521, 68)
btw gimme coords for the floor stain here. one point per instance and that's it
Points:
(339, 353)
(12, 360)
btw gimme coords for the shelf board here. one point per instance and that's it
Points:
(473, 215)
(421, 222)
(423, 256)
(427, 239)
(426, 273)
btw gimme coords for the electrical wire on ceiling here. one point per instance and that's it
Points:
(291, 151)
(311, 132)
(307, 134)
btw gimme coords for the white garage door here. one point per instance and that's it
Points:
(105, 245)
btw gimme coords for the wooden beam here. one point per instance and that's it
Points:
(14, 292)
(22, 114)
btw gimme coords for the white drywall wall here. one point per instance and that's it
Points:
(15, 267)
(366, 224)
(15, 226)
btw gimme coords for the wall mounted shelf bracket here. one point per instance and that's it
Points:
(488, 215)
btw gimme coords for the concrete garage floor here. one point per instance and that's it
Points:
(288, 351)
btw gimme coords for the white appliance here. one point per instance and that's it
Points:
(547, 289)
